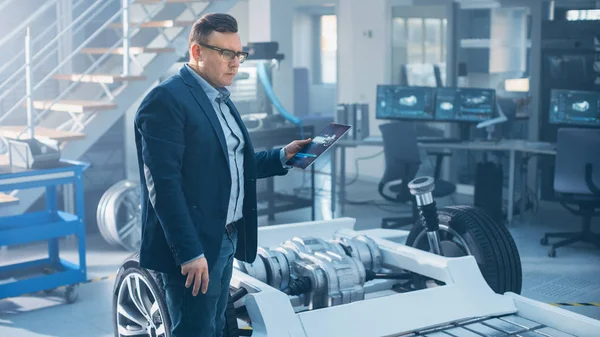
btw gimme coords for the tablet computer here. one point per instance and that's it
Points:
(318, 145)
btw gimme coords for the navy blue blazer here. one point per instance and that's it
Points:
(185, 177)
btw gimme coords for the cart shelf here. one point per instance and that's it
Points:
(48, 225)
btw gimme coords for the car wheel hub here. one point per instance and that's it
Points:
(138, 312)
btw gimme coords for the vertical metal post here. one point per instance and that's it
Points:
(125, 17)
(29, 101)
(79, 210)
(535, 85)
(52, 208)
(551, 7)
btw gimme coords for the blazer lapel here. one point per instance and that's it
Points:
(210, 112)
(206, 106)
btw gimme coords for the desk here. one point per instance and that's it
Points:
(512, 146)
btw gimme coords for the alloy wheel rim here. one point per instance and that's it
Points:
(138, 312)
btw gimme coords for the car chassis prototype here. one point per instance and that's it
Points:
(324, 278)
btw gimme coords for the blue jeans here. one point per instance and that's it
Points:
(204, 314)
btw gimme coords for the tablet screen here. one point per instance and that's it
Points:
(319, 144)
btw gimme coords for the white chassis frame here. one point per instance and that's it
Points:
(386, 313)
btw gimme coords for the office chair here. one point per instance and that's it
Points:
(577, 182)
(402, 162)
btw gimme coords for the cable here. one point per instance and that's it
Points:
(263, 77)
(353, 180)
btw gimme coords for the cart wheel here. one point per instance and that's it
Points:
(71, 293)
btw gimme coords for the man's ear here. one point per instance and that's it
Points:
(195, 52)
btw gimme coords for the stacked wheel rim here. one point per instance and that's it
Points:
(119, 217)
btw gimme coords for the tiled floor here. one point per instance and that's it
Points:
(573, 276)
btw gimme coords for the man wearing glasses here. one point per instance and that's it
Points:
(198, 172)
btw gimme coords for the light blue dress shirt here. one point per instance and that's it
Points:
(235, 147)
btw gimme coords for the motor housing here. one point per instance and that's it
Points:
(322, 273)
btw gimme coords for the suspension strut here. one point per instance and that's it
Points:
(421, 188)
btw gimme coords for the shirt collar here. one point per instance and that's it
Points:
(219, 95)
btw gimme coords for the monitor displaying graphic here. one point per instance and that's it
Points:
(465, 104)
(445, 104)
(318, 145)
(574, 107)
(400, 102)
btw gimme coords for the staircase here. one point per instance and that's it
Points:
(145, 38)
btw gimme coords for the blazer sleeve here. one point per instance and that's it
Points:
(160, 124)
(268, 164)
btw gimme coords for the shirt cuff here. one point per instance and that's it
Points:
(194, 259)
(283, 159)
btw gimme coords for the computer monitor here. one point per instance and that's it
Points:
(470, 105)
(573, 107)
(405, 103)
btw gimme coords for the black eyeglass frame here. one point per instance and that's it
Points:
(239, 54)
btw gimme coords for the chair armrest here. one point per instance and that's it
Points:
(589, 181)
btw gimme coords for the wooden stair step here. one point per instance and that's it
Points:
(6, 199)
(149, 2)
(98, 78)
(157, 24)
(132, 50)
(74, 106)
(12, 131)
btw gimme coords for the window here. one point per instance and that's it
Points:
(418, 43)
(399, 50)
(415, 40)
(328, 48)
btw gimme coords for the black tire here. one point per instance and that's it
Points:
(154, 280)
(488, 241)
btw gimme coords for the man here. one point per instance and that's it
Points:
(198, 171)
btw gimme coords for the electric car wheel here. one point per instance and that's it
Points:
(139, 304)
(466, 230)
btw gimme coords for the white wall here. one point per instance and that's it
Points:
(363, 57)
(271, 20)
(302, 40)
(240, 13)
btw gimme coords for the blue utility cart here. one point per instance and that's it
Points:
(48, 225)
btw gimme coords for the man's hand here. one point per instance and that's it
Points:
(292, 148)
(197, 273)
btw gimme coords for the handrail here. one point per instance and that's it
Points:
(67, 59)
(19, 55)
(35, 40)
(46, 55)
(41, 62)
(91, 67)
(28, 21)
(5, 3)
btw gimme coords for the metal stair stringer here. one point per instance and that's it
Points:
(134, 90)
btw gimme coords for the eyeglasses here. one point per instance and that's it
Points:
(226, 54)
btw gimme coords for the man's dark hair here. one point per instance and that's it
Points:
(213, 22)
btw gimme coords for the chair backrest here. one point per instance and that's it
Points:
(575, 149)
(401, 152)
